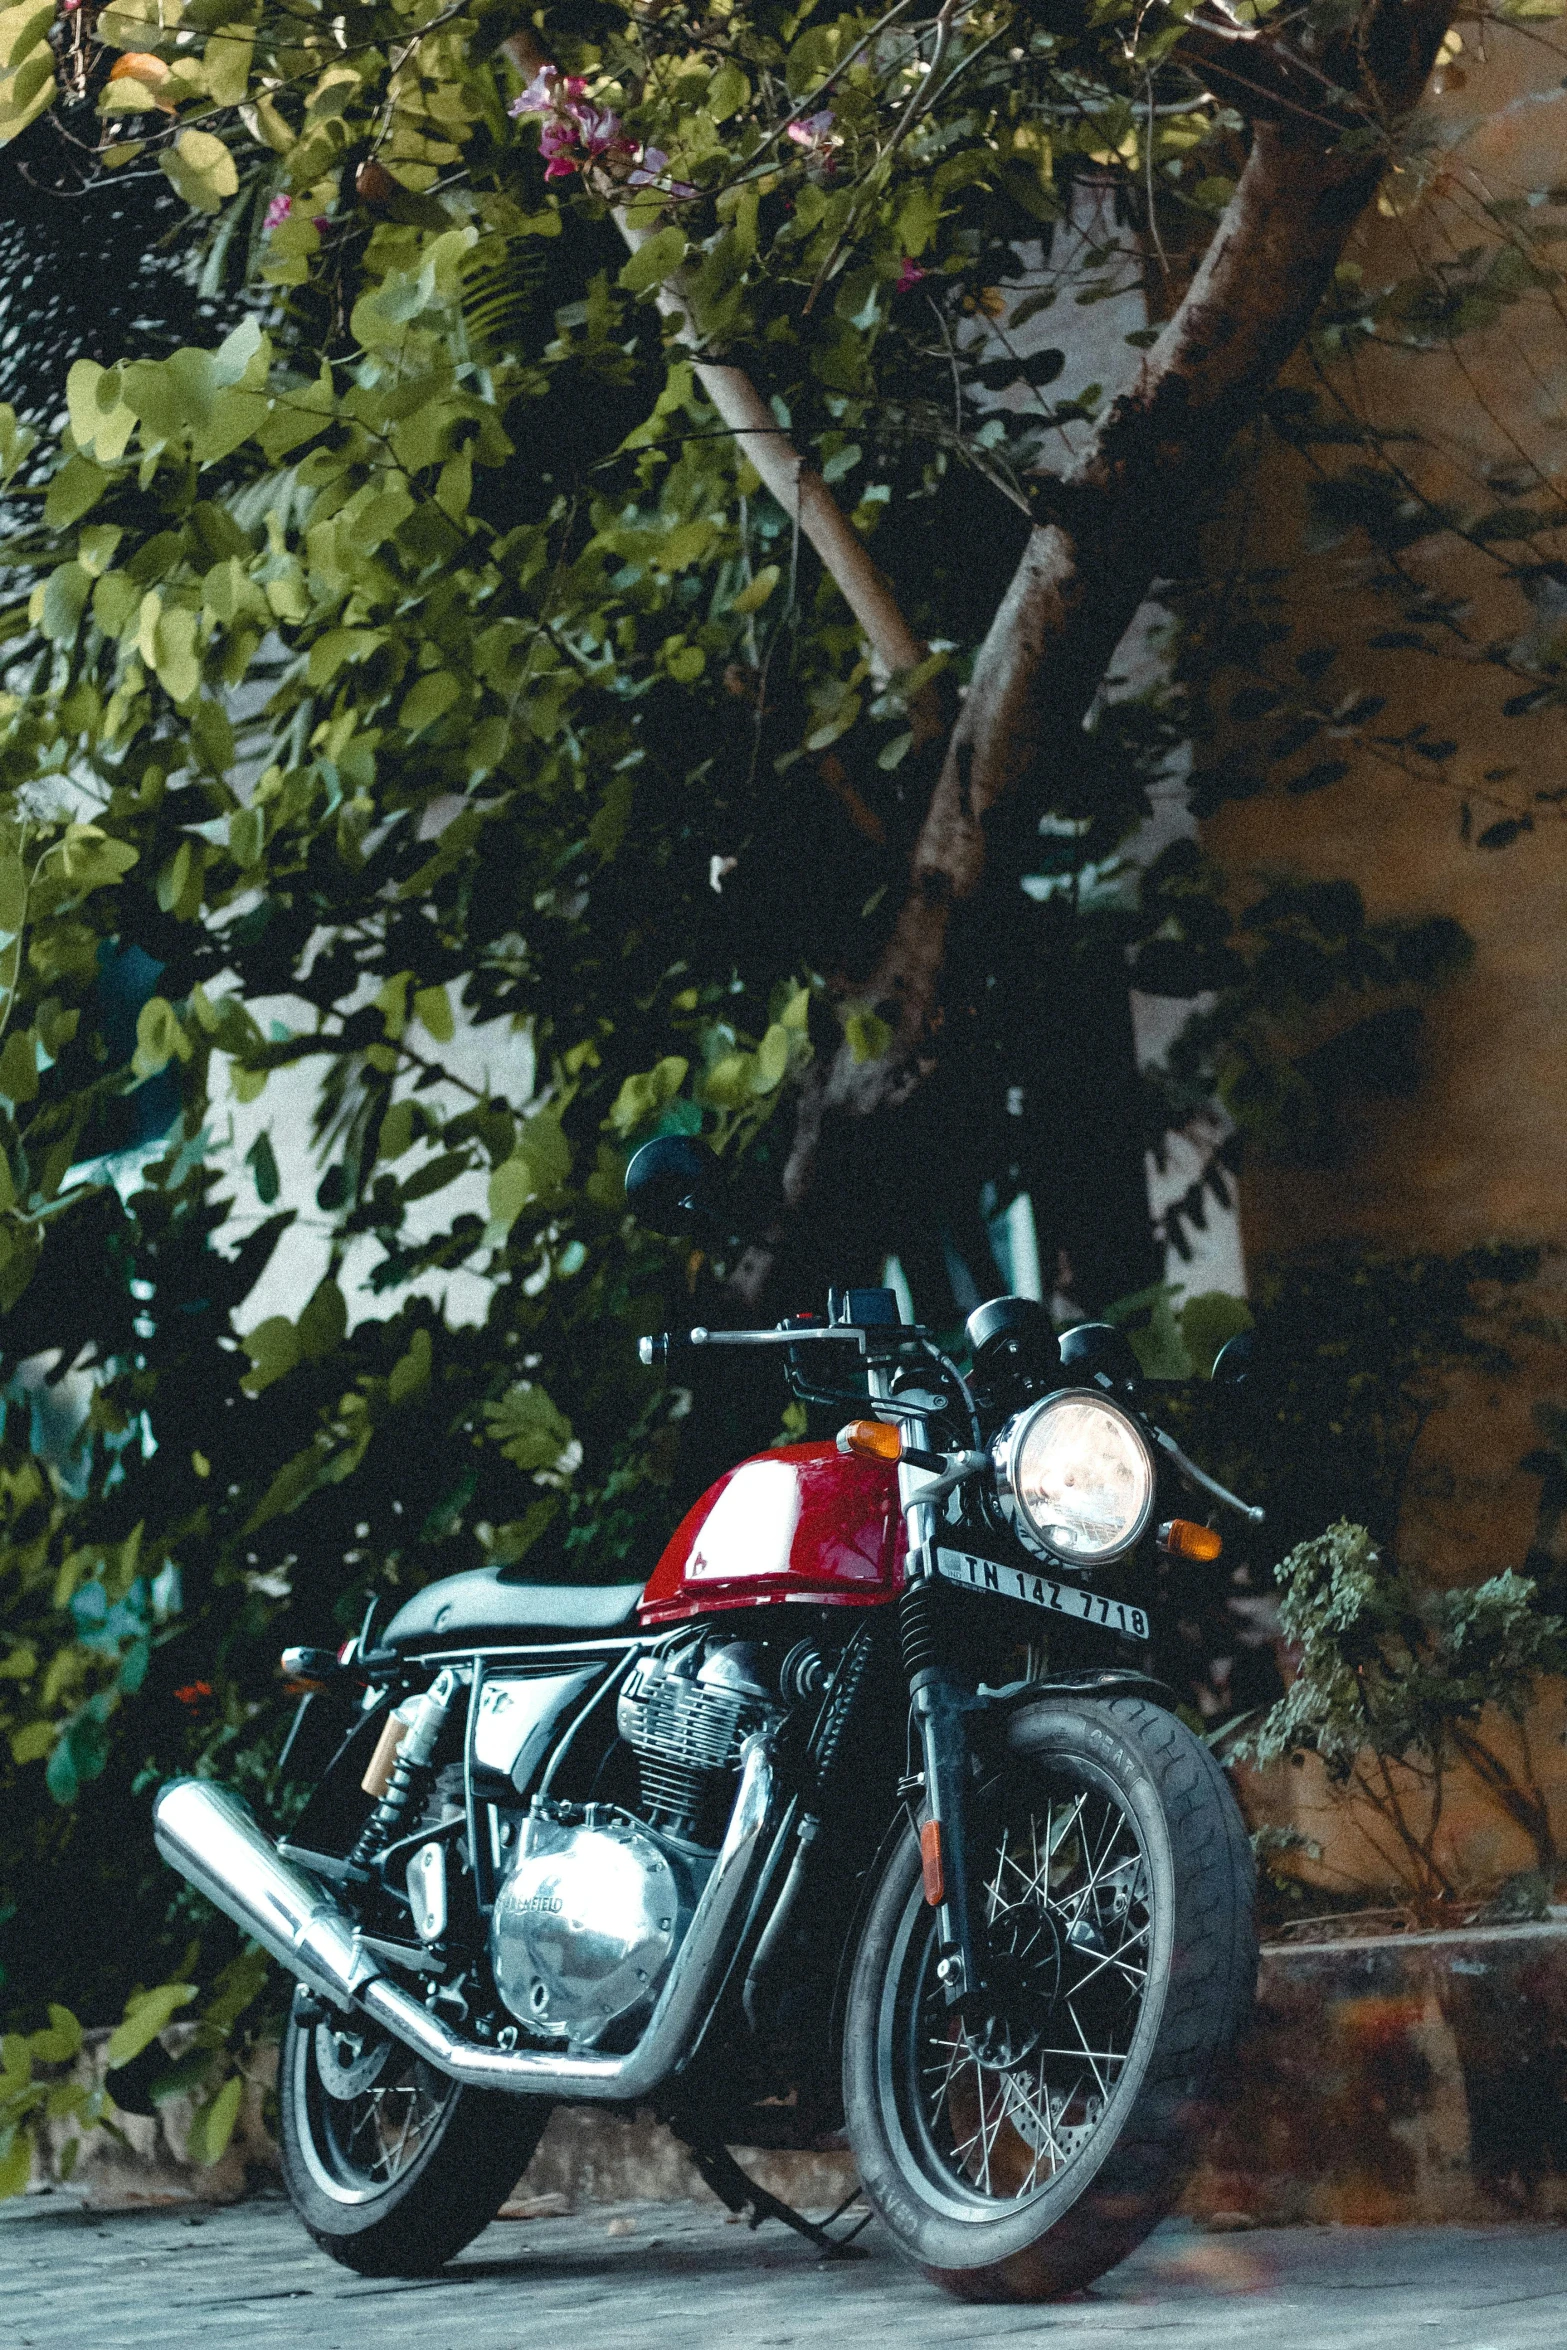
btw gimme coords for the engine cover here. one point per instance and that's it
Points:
(584, 1926)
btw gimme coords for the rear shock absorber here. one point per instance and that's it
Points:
(412, 1766)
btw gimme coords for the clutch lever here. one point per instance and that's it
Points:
(1189, 1469)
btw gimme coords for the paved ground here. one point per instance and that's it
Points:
(656, 2274)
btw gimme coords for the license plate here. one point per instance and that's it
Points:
(1063, 1599)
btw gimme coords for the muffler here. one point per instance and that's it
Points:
(209, 1835)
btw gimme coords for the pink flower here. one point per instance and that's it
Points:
(576, 133)
(909, 276)
(650, 174)
(815, 134)
(278, 211)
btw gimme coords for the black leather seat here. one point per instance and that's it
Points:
(483, 1605)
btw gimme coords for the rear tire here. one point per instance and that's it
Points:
(1020, 2156)
(392, 2167)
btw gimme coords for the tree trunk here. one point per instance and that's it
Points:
(1108, 528)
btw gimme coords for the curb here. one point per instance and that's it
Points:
(1409, 2080)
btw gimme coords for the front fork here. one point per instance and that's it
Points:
(942, 1708)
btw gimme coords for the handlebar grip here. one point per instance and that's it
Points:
(664, 1347)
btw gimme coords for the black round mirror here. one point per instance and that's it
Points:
(1098, 1348)
(668, 1182)
(1236, 1360)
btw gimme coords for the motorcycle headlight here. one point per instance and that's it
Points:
(1078, 1475)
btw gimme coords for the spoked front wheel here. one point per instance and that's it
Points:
(392, 2167)
(1018, 2152)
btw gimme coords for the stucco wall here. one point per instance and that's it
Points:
(1479, 1151)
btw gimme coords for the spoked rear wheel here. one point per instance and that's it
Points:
(1018, 2152)
(392, 2167)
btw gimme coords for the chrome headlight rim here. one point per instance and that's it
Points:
(1008, 1445)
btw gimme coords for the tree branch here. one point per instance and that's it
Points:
(797, 486)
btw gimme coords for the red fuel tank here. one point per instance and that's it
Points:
(804, 1523)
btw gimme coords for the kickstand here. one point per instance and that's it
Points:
(753, 2204)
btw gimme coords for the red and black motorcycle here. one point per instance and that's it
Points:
(863, 1814)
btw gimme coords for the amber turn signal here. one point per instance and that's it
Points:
(1181, 1539)
(875, 1440)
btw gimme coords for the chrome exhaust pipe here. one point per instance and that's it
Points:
(208, 1834)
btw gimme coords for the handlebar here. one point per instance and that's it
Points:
(669, 1345)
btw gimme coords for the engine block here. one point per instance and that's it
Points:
(688, 1717)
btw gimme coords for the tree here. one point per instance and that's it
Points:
(444, 644)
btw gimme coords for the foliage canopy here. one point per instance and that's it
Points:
(429, 654)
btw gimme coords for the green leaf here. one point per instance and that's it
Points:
(324, 1322)
(19, 1066)
(434, 1012)
(643, 1096)
(60, 1773)
(16, 2159)
(411, 1372)
(175, 655)
(772, 1060)
(261, 1159)
(89, 859)
(530, 1431)
(727, 92)
(78, 485)
(32, 1742)
(160, 1038)
(13, 896)
(212, 2125)
(868, 1036)
(1208, 1321)
(655, 260)
(247, 836)
(752, 597)
(22, 29)
(397, 1130)
(57, 606)
(202, 170)
(25, 93)
(429, 700)
(61, 2041)
(225, 63)
(273, 1348)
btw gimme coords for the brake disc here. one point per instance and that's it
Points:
(349, 2062)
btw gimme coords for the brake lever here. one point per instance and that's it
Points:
(1189, 1468)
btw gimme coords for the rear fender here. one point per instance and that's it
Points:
(335, 1810)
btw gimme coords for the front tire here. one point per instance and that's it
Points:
(1018, 2156)
(392, 2167)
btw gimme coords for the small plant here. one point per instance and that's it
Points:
(41, 2080)
(1391, 1689)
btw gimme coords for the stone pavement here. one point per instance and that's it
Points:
(682, 2275)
